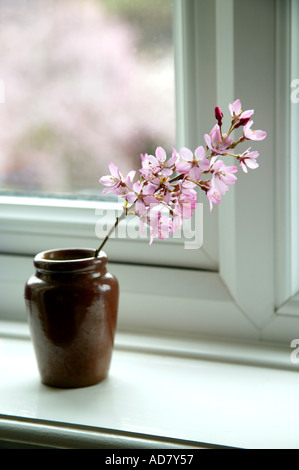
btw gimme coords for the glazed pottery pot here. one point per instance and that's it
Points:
(72, 304)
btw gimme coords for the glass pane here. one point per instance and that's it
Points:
(83, 83)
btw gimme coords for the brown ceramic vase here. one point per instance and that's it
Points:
(72, 304)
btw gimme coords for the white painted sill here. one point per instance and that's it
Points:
(161, 393)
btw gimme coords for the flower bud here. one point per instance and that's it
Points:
(218, 115)
(242, 122)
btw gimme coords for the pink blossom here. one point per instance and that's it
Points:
(251, 134)
(236, 110)
(248, 159)
(216, 142)
(165, 191)
(217, 186)
(183, 202)
(187, 187)
(152, 166)
(193, 164)
(223, 175)
(213, 195)
(116, 182)
(169, 165)
(161, 226)
(185, 205)
(143, 196)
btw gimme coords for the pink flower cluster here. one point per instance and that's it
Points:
(165, 193)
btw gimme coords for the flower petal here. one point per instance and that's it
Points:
(107, 180)
(235, 108)
(149, 188)
(131, 175)
(208, 140)
(160, 154)
(243, 166)
(252, 164)
(107, 190)
(204, 164)
(186, 154)
(114, 170)
(200, 153)
(183, 167)
(195, 173)
(247, 114)
(260, 135)
(131, 197)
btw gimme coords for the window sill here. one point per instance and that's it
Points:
(161, 393)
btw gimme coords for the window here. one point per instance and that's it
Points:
(95, 81)
(229, 287)
(92, 78)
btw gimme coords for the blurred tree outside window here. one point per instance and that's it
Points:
(86, 82)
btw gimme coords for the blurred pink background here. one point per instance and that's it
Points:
(86, 82)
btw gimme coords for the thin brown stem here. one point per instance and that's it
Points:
(176, 178)
(118, 219)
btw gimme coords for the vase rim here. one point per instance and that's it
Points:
(69, 259)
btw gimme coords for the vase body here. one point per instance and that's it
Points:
(72, 304)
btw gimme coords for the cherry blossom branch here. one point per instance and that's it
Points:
(169, 183)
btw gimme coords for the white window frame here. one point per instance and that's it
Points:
(237, 293)
(287, 227)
